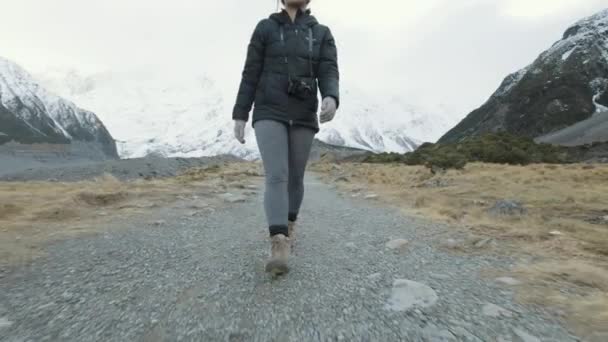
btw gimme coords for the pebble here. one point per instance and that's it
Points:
(482, 243)
(374, 276)
(5, 323)
(493, 310)
(408, 294)
(451, 243)
(397, 244)
(230, 198)
(524, 336)
(371, 196)
(508, 281)
(351, 245)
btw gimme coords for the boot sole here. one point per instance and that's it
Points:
(276, 268)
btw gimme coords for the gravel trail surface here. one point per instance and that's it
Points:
(201, 278)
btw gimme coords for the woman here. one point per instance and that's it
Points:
(289, 59)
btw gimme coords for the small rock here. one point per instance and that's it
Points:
(451, 244)
(440, 276)
(508, 281)
(480, 203)
(605, 218)
(397, 244)
(464, 334)
(371, 196)
(524, 336)
(493, 310)
(351, 245)
(432, 332)
(5, 323)
(159, 223)
(507, 208)
(374, 276)
(556, 233)
(482, 243)
(408, 294)
(230, 198)
(341, 179)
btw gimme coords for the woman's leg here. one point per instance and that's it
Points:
(300, 142)
(272, 139)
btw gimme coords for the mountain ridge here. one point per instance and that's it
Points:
(31, 114)
(566, 84)
(178, 115)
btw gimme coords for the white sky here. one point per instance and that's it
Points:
(445, 51)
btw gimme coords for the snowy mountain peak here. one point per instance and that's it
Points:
(566, 84)
(44, 116)
(187, 115)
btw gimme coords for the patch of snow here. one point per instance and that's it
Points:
(567, 54)
(186, 115)
(25, 97)
(599, 108)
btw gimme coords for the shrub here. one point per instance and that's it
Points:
(501, 148)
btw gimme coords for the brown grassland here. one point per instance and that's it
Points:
(34, 213)
(564, 232)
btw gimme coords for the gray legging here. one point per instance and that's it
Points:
(285, 151)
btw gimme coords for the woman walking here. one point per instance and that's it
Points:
(289, 59)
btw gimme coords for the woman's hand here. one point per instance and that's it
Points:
(239, 130)
(328, 109)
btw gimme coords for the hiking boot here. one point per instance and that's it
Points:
(279, 254)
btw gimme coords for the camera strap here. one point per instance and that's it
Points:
(310, 46)
(310, 50)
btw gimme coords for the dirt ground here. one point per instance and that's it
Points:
(562, 223)
(35, 213)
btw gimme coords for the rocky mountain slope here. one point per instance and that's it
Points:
(185, 115)
(566, 84)
(31, 114)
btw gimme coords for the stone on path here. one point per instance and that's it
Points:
(351, 245)
(452, 243)
(370, 196)
(483, 242)
(397, 244)
(374, 276)
(507, 208)
(508, 281)
(493, 310)
(408, 294)
(524, 336)
(5, 323)
(432, 332)
(230, 198)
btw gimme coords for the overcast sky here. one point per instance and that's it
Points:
(445, 51)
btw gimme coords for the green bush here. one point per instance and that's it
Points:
(500, 148)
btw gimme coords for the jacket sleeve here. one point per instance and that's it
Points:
(329, 76)
(251, 74)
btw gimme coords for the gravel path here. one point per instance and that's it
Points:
(201, 278)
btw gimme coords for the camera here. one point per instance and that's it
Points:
(301, 88)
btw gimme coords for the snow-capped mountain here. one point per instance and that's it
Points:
(30, 113)
(566, 84)
(171, 114)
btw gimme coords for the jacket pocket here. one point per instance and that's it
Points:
(275, 90)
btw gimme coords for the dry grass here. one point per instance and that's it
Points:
(35, 213)
(564, 224)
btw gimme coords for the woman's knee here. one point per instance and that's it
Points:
(277, 178)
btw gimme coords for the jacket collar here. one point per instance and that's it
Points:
(302, 17)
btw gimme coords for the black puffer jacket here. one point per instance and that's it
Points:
(271, 61)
